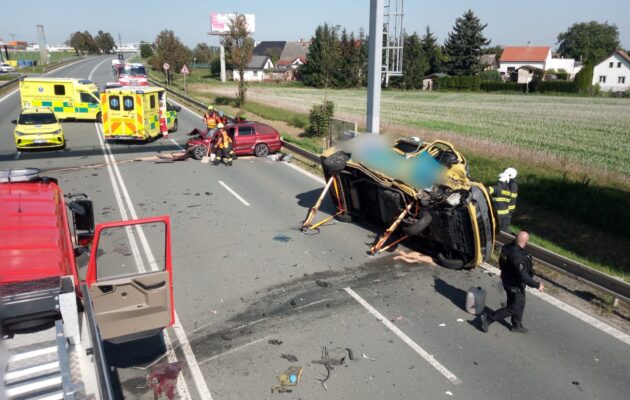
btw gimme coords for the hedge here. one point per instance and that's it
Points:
(490, 86)
(557, 87)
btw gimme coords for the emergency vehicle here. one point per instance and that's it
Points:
(69, 98)
(137, 113)
(132, 74)
(38, 128)
(125, 294)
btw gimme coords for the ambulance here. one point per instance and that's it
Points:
(69, 98)
(137, 113)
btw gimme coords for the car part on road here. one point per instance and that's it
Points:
(290, 377)
(289, 357)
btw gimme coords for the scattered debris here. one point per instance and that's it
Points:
(322, 283)
(460, 320)
(448, 392)
(576, 383)
(282, 238)
(290, 377)
(289, 357)
(331, 362)
(275, 342)
(398, 318)
(442, 324)
(163, 379)
(275, 157)
(368, 358)
(287, 158)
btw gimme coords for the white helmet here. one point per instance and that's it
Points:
(503, 177)
(511, 172)
(220, 125)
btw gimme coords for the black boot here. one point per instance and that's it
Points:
(485, 322)
(519, 328)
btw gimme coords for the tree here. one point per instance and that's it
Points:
(203, 53)
(105, 42)
(145, 50)
(589, 41)
(239, 48)
(432, 52)
(463, 45)
(584, 79)
(322, 57)
(169, 49)
(348, 70)
(415, 64)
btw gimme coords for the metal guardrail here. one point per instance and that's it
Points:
(611, 285)
(9, 82)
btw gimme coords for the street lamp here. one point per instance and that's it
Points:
(194, 62)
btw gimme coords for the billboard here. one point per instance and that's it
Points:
(220, 22)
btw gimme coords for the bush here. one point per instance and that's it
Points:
(299, 122)
(319, 118)
(490, 76)
(502, 87)
(466, 83)
(145, 50)
(584, 79)
(557, 87)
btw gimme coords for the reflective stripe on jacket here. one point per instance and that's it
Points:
(513, 187)
(224, 139)
(501, 195)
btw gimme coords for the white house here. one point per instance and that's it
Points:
(534, 58)
(256, 70)
(613, 74)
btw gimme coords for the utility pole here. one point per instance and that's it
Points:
(375, 63)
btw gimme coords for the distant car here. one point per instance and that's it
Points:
(247, 138)
(38, 128)
(4, 67)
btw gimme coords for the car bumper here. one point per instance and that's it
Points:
(25, 142)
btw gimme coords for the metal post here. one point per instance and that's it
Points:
(375, 56)
(222, 56)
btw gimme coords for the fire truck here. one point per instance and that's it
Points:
(132, 74)
(68, 286)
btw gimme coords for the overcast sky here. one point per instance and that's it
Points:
(509, 22)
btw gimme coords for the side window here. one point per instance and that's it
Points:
(87, 98)
(230, 132)
(60, 90)
(245, 131)
(114, 102)
(152, 102)
(128, 103)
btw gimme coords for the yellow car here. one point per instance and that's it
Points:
(38, 128)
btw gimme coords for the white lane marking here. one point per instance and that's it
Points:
(9, 95)
(96, 67)
(423, 353)
(307, 173)
(581, 315)
(234, 350)
(242, 200)
(195, 113)
(176, 144)
(193, 366)
(17, 155)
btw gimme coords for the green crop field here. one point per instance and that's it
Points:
(587, 131)
(34, 55)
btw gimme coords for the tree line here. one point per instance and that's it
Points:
(84, 43)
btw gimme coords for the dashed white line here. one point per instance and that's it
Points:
(17, 155)
(422, 352)
(242, 200)
(581, 315)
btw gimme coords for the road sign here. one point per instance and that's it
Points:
(166, 66)
(184, 70)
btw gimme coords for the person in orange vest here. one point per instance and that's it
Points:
(211, 119)
(223, 146)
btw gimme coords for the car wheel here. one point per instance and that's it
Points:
(199, 152)
(335, 163)
(261, 150)
(415, 226)
(450, 263)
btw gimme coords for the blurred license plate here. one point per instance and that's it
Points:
(40, 141)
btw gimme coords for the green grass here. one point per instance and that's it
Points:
(34, 55)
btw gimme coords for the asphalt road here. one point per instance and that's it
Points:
(244, 275)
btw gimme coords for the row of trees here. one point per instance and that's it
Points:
(85, 43)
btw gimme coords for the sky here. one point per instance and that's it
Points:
(509, 22)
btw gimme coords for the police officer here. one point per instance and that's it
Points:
(501, 195)
(223, 146)
(513, 188)
(516, 272)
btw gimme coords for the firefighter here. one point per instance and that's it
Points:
(223, 146)
(513, 187)
(240, 117)
(210, 119)
(516, 272)
(501, 195)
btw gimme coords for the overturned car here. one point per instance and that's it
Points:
(418, 191)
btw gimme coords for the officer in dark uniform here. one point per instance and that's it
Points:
(516, 272)
(513, 188)
(501, 195)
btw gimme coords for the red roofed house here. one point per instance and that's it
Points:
(530, 58)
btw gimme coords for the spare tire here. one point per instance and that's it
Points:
(417, 225)
(450, 263)
(335, 163)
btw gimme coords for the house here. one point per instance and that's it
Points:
(271, 49)
(256, 70)
(292, 57)
(534, 58)
(613, 74)
(489, 62)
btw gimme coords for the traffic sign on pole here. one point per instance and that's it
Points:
(184, 70)
(166, 66)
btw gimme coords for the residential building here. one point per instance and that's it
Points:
(534, 58)
(613, 74)
(489, 62)
(256, 71)
(292, 57)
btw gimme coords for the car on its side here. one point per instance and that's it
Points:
(424, 188)
(5, 67)
(38, 128)
(247, 138)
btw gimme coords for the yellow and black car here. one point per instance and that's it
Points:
(38, 128)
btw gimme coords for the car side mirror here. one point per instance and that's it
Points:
(14, 121)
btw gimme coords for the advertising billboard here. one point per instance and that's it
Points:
(220, 22)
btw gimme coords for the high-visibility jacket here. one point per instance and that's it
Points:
(501, 195)
(224, 140)
(211, 120)
(513, 188)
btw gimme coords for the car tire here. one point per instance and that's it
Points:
(450, 263)
(417, 225)
(261, 150)
(199, 152)
(335, 163)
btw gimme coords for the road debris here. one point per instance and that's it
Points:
(322, 283)
(274, 342)
(442, 324)
(289, 357)
(449, 393)
(414, 257)
(331, 362)
(290, 377)
(398, 318)
(368, 358)
(163, 379)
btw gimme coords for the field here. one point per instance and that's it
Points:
(565, 131)
(34, 55)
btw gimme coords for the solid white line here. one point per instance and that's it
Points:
(9, 95)
(581, 315)
(242, 200)
(195, 113)
(17, 155)
(307, 173)
(234, 350)
(96, 67)
(423, 353)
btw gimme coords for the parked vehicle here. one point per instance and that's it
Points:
(247, 138)
(38, 128)
(69, 98)
(5, 67)
(418, 191)
(132, 74)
